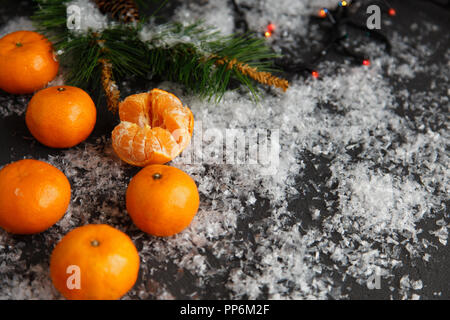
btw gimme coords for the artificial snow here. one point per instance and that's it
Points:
(17, 24)
(354, 180)
(289, 17)
(214, 13)
(87, 16)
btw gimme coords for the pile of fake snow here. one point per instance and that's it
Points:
(255, 235)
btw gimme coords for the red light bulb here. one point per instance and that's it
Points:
(271, 27)
(315, 74)
(322, 13)
(366, 62)
(392, 12)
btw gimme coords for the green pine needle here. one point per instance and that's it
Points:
(175, 52)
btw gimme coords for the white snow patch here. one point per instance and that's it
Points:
(16, 24)
(91, 19)
(214, 13)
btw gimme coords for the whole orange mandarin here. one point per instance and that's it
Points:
(162, 200)
(61, 116)
(27, 62)
(94, 262)
(34, 195)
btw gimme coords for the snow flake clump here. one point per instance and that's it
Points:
(214, 13)
(85, 16)
(380, 202)
(16, 24)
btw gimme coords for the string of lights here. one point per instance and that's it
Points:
(336, 22)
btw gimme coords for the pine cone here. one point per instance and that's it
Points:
(124, 10)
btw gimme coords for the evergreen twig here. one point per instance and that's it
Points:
(109, 85)
(193, 55)
(260, 76)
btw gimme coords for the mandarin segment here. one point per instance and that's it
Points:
(168, 145)
(123, 139)
(123, 143)
(155, 127)
(135, 109)
(140, 153)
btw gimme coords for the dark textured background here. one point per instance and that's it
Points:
(435, 274)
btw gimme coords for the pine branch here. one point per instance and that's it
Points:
(193, 55)
(50, 18)
(260, 76)
(182, 49)
(126, 11)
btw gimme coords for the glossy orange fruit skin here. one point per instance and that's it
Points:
(107, 271)
(27, 62)
(34, 195)
(61, 116)
(162, 200)
(155, 127)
